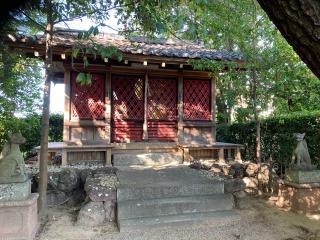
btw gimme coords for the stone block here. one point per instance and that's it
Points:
(303, 176)
(92, 214)
(302, 198)
(110, 208)
(234, 185)
(15, 191)
(19, 219)
(101, 188)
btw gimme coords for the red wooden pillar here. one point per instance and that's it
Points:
(180, 109)
(213, 108)
(145, 104)
(107, 113)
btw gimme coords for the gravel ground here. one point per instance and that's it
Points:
(33, 169)
(260, 219)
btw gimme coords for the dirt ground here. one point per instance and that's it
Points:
(260, 219)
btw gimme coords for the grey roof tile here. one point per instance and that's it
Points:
(140, 45)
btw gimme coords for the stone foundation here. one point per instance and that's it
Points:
(19, 219)
(101, 189)
(301, 198)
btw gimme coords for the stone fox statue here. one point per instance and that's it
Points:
(301, 157)
(11, 160)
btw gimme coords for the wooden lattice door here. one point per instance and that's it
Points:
(162, 109)
(127, 108)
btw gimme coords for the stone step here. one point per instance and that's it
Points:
(174, 206)
(128, 192)
(146, 159)
(217, 218)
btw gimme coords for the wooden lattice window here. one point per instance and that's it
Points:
(196, 99)
(162, 99)
(87, 102)
(127, 108)
(127, 97)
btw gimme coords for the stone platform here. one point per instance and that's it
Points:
(172, 195)
(19, 219)
(301, 198)
(300, 191)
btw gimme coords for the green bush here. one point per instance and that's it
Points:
(276, 136)
(30, 128)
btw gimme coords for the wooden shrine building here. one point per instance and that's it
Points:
(150, 101)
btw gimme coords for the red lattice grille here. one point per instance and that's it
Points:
(87, 102)
(162, 99)
(127, 97)
(196, 98)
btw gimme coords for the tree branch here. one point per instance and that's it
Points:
(42, 27)
(90, 13)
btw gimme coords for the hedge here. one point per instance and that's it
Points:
(277, 139)
(30, 128)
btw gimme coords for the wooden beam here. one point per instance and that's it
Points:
(85, 123)
(66, 115)
(213, 107)
(180, 109)
(130, 70)
(107, 113)
(145, 120)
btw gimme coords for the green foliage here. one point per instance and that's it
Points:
(30, 127)
(56, 128)
(277, 139)
(282, 79)
(20, 83)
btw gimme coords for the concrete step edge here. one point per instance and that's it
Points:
(130, 209)
(127, 192)
(189, 198)
(218, 217)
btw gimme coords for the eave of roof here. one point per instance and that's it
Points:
(163, 48)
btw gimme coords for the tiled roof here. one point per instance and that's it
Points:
(138, 46)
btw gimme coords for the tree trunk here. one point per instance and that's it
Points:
(43, 182)
(299, 23)
(256, 116)
(255, 85)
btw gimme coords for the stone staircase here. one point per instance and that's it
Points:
(156, 198)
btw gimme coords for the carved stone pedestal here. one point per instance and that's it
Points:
(15, 191)
(300, 192)
(303, 176)
(18, 211)
(19, 219)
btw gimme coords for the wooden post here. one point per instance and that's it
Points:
(107, 112)
(186, 155)
(237, 155)
(145, 120)
(66, 116)
(108, 157)
(229, 158)
(180, 109)
(213, 108)
(221, 155)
